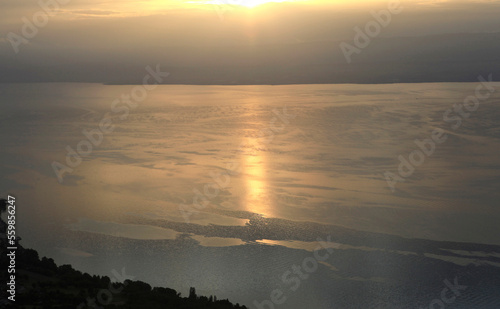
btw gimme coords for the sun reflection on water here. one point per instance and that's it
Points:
(256, 182)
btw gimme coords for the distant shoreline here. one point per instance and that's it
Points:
(243, 84)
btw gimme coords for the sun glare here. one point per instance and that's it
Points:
(254, 3)
(246, 3)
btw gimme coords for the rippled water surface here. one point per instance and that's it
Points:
(227, 187)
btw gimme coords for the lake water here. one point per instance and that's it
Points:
(225, 188)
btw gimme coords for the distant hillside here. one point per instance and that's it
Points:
(40, 283)
(437, 58)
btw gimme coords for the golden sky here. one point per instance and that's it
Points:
(190, 32)
(11, 11)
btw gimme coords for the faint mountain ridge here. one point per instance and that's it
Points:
(436, 58)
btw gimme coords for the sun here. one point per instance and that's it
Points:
(254, 3)
(246, 3)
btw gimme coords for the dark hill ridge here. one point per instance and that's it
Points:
(434, 58)
(40, 283)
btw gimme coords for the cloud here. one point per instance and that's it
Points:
(94, 12)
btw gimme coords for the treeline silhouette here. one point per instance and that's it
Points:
(40, 283)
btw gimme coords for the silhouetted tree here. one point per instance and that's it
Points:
(3, 205)
(46, 285)
(192, 293)
(3, 208)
